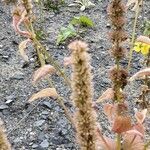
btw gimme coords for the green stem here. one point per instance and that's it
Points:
(146, 145)
(133, 37)
(118, 142)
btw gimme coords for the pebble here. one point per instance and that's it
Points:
(47, 104)
(44, 144)
(18, 76)
(2, 107)
(34, 146)
(39, 123)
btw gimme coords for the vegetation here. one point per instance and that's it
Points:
(129, 134)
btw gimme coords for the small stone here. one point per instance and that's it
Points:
(47, 104)
(45, 112)
(44, 144)
(18, 76)
(2, 107)
(34, 146)
(9, 101)
(1, 46)
(39, 123)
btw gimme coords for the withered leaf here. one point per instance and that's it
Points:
(141, 73)
(48, 92)
(140, 116)
(22, 47)
(42, 72)
(143, 39)
(108, 94)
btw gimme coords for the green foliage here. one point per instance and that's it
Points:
(83, 21)
(66, 33)
(71, 31)
(147, 28)
(40, 35)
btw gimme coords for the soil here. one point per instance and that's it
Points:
(43, 125)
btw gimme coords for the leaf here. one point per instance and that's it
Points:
(140, 116)
(42, 72)
(66, 33)
(143, 39)
(107, 143)
(144, 72)
(22, 47)
(83, 21)
(133, 140)
(135, 2)
(48, 92)
(109, 111)
(108, 94)
(17, 20)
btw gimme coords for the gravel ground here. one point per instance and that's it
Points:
(46, 127)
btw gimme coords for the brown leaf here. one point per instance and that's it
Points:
(22, 47)
(144, 72)
(121, 124)
(109, 111)
(140, 116)
(143, 39)
(42, 72)
(133, 140)
(17, 20)
(48, 92)
(107, 143)
(108, 94)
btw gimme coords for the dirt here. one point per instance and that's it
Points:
(43, 125)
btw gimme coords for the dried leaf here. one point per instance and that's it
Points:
(48, 92)
(17, 20)
(140, 128)
(108, 144)
(121, 124)
(143, 39)
(144, 72)
(42, 72)
(108, 94)
(109, 111)
(136, 4)
(133, 140)
(67, 61)
(140, 116)
(22, 47)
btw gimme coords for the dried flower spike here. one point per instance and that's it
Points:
(85, 117)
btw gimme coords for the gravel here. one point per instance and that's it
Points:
(46, 127)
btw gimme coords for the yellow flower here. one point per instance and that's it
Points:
(144, 48)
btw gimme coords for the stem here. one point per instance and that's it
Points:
(133, 37)
(103, 139)
(146, 145)
(118, 142)
(44, 51)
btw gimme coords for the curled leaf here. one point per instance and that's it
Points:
(22, 47)
(48, 92)
(143, 39)
(108, 94)
(42, 72)
(18, 19)
(144, 72)
(140, 116)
